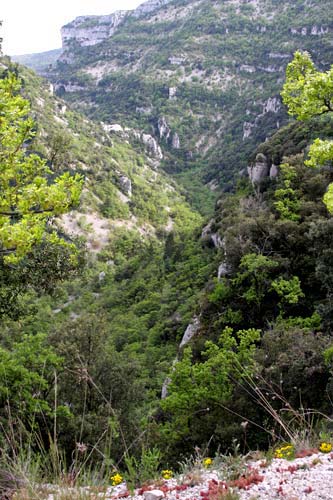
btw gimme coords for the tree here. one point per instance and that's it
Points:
(29, 193)
(308, 93)
(198, 391)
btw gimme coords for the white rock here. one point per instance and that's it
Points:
(90, 30)
(190, 331)
(163, 128)
(259, 170)
(175, 141)
(152, 146)
(153, 495)
(272, 104)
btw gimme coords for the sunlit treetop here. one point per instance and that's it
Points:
(308, 93)
(29, 193)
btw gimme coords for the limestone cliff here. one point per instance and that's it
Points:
(91, 30)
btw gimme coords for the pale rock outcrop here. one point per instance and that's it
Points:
(190, 331)
(125, 185)
(68, 87)
(318, 30)
(172, 93)
(278, 55)
(314, 31)
(163, 128)
(259, 170)
(101, 276)
(115, 127)
(217, 240)
(207, 234)
(274, 171)
(91, 30)
(164, 391)
(213, 185)
(152, 146)
(223, 270)
(247, 129)
(175, 141)
(143, 111)
(273, 105)
(247, 68)
(176, 60)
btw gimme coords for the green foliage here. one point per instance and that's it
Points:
(255, 269)
(27, 197)
(197, 389)
(328, 198)
(288, 290)
(144, 469)
(307, 93)
(292, 361)
(220, 292)
(288, 203)
(27, 372)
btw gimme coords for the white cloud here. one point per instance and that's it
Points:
(34, 26)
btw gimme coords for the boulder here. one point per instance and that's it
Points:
(153, 495)
(223, 270)
(259, 170)
(125, 185)
(274, 171)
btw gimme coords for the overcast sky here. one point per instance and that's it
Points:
(34, 25)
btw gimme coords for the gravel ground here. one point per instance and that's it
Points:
(309, 478)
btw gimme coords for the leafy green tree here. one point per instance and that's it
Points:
(26, 374)
(29, 194)
(289, 291)
(308, 93)
(288, 202)
(255, 272)
(198, 391)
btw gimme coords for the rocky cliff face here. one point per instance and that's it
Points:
(91, 30)
(149, 6)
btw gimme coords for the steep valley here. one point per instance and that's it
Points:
(201, 294)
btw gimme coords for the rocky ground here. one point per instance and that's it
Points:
(309, 478)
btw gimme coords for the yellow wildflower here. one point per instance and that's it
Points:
(286, 451)
(116, 479)
(207, 462)
(325, 447)
(167, 474)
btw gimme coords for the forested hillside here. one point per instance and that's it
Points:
(175, 293)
